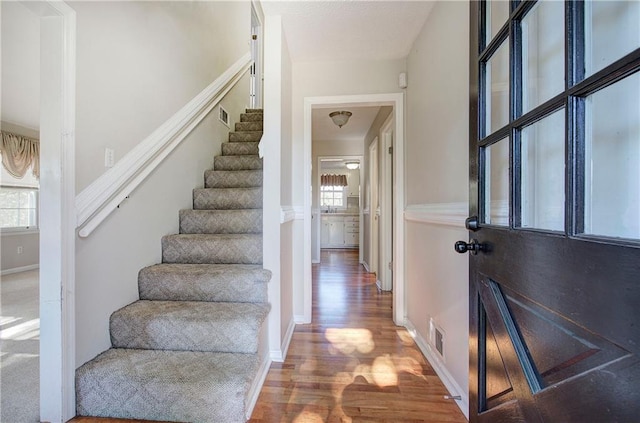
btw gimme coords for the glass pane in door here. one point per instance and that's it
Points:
(495, 18)
(612, 160)
(542, 173)
(496, 183)
(542, 53)
(612, 30)
(496, 89)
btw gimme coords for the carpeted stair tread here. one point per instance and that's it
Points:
(180, 386)
(227, 198)
(233, 178)
(242, 221)
(260, 111)
(248, 126)
(239, 148)
(188, 326)
(245, 136)
(204, 282)
(237, 162)
(212, 248)
(251, 117)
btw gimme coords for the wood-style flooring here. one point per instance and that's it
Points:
(351, 364)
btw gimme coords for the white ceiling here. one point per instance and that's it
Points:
(349, 29)
(355, 130)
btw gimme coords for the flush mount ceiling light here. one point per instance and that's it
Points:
(340, 118)
(352, 165)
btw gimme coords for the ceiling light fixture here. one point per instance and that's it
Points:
(352, 165)
(340, 118)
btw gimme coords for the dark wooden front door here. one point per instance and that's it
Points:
(555, 185)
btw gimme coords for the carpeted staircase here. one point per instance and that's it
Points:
(187, 351)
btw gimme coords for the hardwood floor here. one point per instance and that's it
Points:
(352, 364)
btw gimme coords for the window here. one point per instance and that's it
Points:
(18, 207)
(332, 196)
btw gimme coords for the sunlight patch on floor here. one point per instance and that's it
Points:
(405, 337)
(22, 331)
(349, 340)
(308, 417)
(384, 372)
(408, 365)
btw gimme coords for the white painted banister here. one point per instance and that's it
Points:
(99, 199)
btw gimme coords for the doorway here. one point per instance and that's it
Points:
(371, 212)
(255, 75)
(339, 214)
(385, 208)
(395, 100)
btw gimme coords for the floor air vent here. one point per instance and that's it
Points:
(436, 338)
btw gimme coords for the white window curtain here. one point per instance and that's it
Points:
(19, 153)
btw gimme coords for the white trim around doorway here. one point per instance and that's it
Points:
(57, 208)
(396, 100)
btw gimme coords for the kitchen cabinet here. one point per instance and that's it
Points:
(339, 231)
(353, 187)
(336, 232)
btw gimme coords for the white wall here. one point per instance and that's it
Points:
(437, 172)
(138, 63)
(277, 247)
(286, 229)
(10, 260)
(20, 65)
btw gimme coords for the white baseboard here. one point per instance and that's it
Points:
(315, 261)
(298, 319)
(440, 368)
(256, 386)
(280, 356)
(19, 269)
(366, 266)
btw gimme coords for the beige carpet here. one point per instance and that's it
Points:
(19, 348)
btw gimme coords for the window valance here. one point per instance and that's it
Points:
(19, 153)
(327, 180)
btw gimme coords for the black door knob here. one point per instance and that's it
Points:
(473, 247)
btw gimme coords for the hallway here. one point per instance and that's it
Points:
(352, 364)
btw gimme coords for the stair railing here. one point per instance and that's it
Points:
(103, 195)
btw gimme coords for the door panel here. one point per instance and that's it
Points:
(555, 267)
